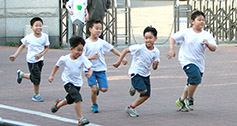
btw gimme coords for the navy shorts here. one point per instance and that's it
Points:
(73, 93)
(141, 83)
(193, 73)
(35, 72)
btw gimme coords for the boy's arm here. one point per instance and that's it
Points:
(125, 51)
(51, 77)
(116, 52)
(19, 50)
(209, 46)
(171, 53)
(89, 73)
(155, 65)
(38, 56)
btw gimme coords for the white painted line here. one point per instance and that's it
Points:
(43, 115)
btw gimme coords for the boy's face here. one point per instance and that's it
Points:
(96, 30)
(77, 51)
(37, 27)
(149, 40)
(199, 22)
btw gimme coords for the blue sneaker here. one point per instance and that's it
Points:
(94, 108)
(19, 76)
(37, 98)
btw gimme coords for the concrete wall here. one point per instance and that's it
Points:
(16, 14)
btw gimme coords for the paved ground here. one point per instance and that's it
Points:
(214, 100)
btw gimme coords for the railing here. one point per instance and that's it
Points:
(221, 16)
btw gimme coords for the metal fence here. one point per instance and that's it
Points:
(221, 16)
(110, 24)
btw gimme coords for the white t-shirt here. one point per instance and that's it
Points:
(192, 49)
(99, 47)
(79, 8)
(35, 46)
(73, 69)
(143, 59)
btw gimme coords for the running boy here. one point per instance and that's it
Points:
(94, 49)
(144, 55)
(72, 79)
(38, 44)
(192, 56)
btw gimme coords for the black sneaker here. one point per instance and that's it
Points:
(54, 108)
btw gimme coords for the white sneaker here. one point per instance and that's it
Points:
(132, 112)
(132, 91)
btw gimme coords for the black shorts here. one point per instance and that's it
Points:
(35, 72)
(73, 93)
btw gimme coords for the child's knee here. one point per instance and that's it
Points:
(103, 89)
(143, 92)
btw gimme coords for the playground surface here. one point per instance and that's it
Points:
(214, 100)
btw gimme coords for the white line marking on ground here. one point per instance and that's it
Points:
(43, 115)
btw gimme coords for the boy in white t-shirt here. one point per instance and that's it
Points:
(94, 50)
(192, 56)
(77, 10)
(72, 77)
(38, 45)
(144, 56)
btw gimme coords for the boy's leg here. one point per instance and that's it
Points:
(191, 90)
(81, 119)
(93, 93)
(139, 101)
(185, 92)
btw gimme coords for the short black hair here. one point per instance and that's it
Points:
(150, 29)
(92, 22)
(33, 20)
(197, 13)
(75, 41)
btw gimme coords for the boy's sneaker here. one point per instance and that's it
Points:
(189, 103)
(132, 91)
(181, 105)
(19, 76)
(94, 108)
(54, 108)
(132, 112)
(83, 122)
(37, 98)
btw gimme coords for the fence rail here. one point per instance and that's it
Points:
(221, 17)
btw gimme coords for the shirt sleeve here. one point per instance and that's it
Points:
(106, 46)
(179, 36)
(24, 40)
(134, 48)
(61, 61)
(87, 63)
(47, 41)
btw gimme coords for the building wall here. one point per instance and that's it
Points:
(15, 15)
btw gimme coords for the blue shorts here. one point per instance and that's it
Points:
(141, 83)
(193, 73)
(99, 77)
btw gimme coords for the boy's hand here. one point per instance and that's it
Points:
(89, 73)
(205, 42)
(12, 57)
(95, 56)
(124, 61)
(70, 12)
(50, 79)
(117, 64)
(170, 54)
(38, 56)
